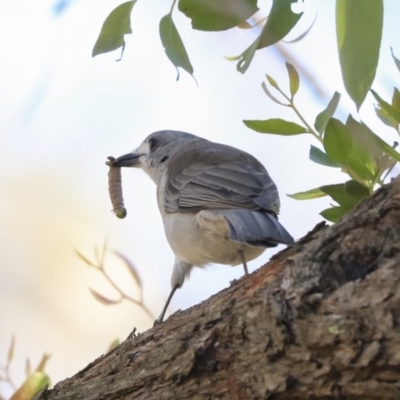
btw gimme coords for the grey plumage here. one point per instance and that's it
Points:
(220, 177)
(256, 228)
(218, 203)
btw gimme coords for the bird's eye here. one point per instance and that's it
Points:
(165, 158)
(152, 144)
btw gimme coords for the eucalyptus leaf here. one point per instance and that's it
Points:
(337, 141)
(271, 96)
(385, 117)
(245, 25)
(276, 126)
(383, 154)
(361, 162)
(217, 15)
(173, 45)
(333, 214)
(114, 28)
(342, 148)
(272, 82)
(359, 32)
(280, 22)
(324, 116)
(294, 79)
(364, 136)
(36, 381)
(396, 99)
(244, 60)
(319, 157)
(392, 111)
(307, 195)
(364, 149)
(103, 299)
(387, 163)
(386, 148)
(339, 194)
(396, 60)
(355, 189)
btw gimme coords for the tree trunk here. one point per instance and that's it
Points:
(321, 320)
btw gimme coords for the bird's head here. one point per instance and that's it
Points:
(153, 154)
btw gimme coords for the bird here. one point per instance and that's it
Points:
(218, 203)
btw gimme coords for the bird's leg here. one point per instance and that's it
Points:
(246, 271)
(164, 310)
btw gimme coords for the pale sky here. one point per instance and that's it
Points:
(62, 113)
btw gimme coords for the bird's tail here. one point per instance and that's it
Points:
(257, 228)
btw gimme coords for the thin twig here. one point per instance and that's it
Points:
(302, 119)
(172, 6)
(100, 266)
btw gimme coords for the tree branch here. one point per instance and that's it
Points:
(321, 320)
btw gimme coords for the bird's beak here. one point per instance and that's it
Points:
(128, 160)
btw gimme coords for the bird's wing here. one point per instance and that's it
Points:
(218, 177)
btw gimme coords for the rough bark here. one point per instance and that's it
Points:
(321, 320)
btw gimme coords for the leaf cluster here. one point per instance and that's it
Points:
(205, 15)
(351, 146)
(34, 379)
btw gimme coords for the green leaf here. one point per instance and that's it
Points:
(280, 22)
(385, 117)
(270, 95)
(364, 137)
(173, 45)
(364, 150)
(272, 82)
(319, 157)
(245, 25)
(387, 163)
(339, 194)
(360, 164)
(390, 110)
(378, 148)
(294, 79)
(396, 60)
(275, 126)
(333, 214)
(113, 345)
(359, 32)
(31, 386)
(387, 149)
(337, 141)
(396, 99)
(356, 190)
(380, 144)
(324, 116)
(217, 15)
(116, 25)
(342, 148)
(307, 195)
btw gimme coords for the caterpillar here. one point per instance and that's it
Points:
(115, 188)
